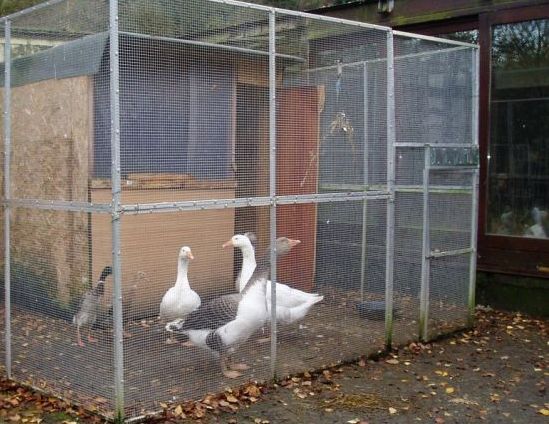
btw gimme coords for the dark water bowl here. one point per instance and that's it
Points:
(374, 310)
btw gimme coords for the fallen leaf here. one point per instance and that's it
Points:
(178, 411)
(232, 399)
(253, 390)
(463, 401)
(392, 410)
(450, 390)
(544, 412)
(392, 361)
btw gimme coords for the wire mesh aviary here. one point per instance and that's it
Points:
(201, 193)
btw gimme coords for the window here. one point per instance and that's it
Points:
(518, 155)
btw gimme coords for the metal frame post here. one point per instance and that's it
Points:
(475, 183)
(390, 236)
(272, 181)
(426, 251)
(365, 180)
(7, 192)
(116, 210)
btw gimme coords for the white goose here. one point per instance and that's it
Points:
(248, 258)
(223, 323)
(537, 230)
(180, 300)
(291, 304)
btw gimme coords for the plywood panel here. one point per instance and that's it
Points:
(151, 243)
(50, 154)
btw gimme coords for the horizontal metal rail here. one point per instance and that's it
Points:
(208, 204)
(406, 188)
(436, 189)
(210, 45)
(302, 14)
(435, 39)
(423, 145)
(59, 205)
(455, 168)
(379, 60)
(456, 252)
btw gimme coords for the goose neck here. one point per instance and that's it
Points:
(182, 269)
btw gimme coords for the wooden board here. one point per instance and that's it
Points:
(50, 154)
(255, 72)
(297, 173)
(150, 244)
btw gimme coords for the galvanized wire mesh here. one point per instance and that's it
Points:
(182, 123)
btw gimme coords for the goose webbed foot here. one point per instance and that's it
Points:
(174, 325)
(239, 367)
(188, 343)
(91, 339)
(229, 373)
(79, 341)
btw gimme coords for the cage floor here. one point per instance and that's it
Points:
(45, 355)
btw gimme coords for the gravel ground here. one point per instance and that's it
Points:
(496, 373)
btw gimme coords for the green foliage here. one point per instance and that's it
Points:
(301, 4)
(10, 6)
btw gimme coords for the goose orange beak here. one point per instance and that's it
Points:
(227, 244)
(293, 242)
(191, 256)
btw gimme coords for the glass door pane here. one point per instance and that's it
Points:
(518, 161)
